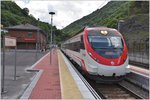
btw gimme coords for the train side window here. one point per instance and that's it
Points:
(81, 43)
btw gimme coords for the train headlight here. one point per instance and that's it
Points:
(90, 54)
(104, 32)
(128, 66)
(96, 60)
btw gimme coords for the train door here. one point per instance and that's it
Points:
(82, 53)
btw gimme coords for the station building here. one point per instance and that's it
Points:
(28, 36)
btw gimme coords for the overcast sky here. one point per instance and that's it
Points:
(66, 11)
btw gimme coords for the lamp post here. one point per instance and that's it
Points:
(37, 41)
(51, 13)
(120, 24)
(3, 66)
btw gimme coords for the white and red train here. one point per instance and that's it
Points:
(100, 52)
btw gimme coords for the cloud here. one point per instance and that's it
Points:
(66, 11)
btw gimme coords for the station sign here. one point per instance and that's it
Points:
(29, 39)
(10, 41)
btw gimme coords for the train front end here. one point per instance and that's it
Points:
(105, 54)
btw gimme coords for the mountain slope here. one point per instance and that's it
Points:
(12, 14)
(109, 15)
(135, 14)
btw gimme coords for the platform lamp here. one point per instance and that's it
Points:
(51, 13)
(37, 41)
(120, 24)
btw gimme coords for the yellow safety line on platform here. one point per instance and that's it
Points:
(69, 89)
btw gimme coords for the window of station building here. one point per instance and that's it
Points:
(29, 34)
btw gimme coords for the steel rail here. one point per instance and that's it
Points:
(120, 93)
(132, 92)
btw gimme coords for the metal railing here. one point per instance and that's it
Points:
(138, 50)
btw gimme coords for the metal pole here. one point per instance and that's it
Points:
(40, 48)
(38, 41)
(15, 64)
(3, 68)
(36, 49)
(51, 38)
(37, 35)
(51, 29)
(54, 37)
(51, 13)
(120, 24)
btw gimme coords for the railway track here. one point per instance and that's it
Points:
(110, 91)
(114, 91)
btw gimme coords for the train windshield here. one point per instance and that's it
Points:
(107, 46)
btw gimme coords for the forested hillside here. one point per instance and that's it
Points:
(12, 14)
(135, 13)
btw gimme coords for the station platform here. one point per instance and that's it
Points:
(138, 70)
(55, 79)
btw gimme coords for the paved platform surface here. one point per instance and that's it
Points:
(139, 70)
(69, 88)
(25, 59)
(55, 80)
(48, 86)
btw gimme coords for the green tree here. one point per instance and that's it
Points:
(25, 11)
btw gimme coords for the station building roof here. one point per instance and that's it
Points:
(26, 26)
